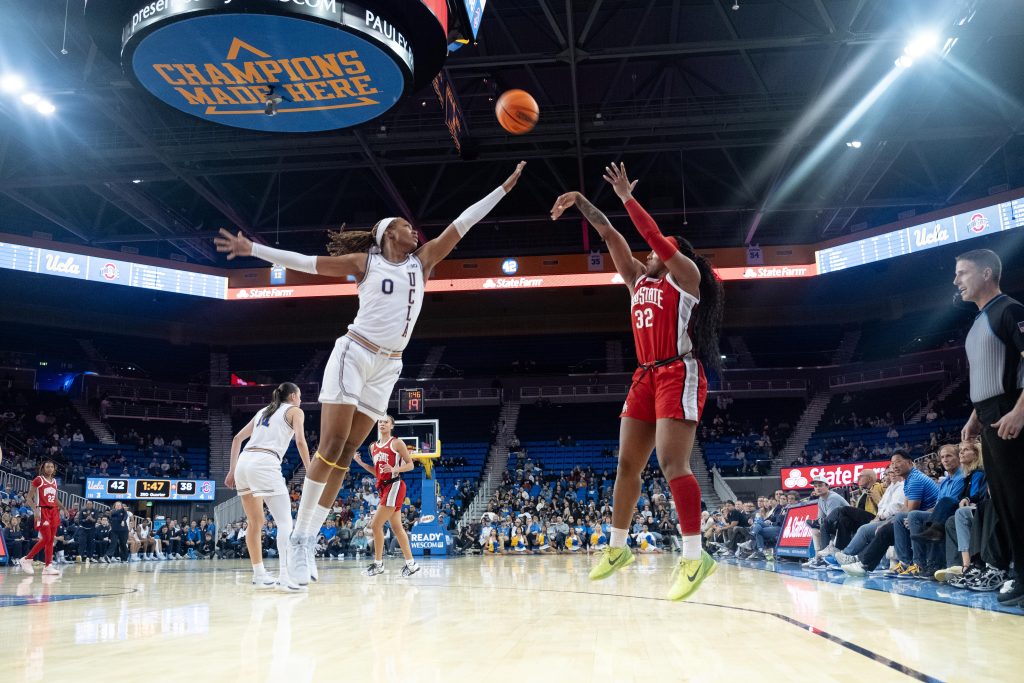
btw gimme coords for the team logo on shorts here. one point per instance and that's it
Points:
(110, 272)
(978, 223)
(625, 406)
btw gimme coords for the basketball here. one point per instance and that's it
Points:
(517, 111)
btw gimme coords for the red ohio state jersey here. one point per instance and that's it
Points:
(384, 454)
(47, 491)
(661, 313)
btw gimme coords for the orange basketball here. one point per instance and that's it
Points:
(517, 111)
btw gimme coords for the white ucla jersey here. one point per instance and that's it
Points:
(272, 434)
(390, 299)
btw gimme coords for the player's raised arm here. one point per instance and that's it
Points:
(437, 249)
(628, 267)
(330, 266)
(683, 270)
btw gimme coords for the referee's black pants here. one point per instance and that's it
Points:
(1004, 469)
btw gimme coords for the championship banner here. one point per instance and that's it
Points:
(273, 65)
(794, 478)
(795, 539)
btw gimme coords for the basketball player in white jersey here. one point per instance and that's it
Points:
(389, 457)
(256, 474)
(392, 270)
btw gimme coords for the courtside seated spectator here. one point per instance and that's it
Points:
(821, 529)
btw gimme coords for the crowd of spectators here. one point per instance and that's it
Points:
(537, 512)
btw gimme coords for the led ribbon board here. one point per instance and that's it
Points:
(324, 64)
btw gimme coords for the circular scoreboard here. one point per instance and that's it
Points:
(290, 66)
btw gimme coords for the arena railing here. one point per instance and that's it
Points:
(796, 387)
(884, 374)
(152, 393)
(158, 412)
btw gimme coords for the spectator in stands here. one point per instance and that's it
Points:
(846, 519)
(207, 547)
(994, 346)
(78, 437)
(822, 531)
(957, 528)
(921, 493)
(925, 557)
(560, 532)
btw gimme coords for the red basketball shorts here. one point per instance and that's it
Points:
(393, 495)
(676, 391)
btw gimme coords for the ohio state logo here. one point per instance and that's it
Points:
(109, 271)
(796, 479)
(978, 223)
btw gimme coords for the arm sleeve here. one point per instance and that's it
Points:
(289, 259)
(650, 231)
(476, 213)
(1012, 324)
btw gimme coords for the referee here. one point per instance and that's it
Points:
(994, 347)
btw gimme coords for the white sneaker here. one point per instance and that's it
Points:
(842, 558)
(830, 549)
(298, 558)
(26, 565)
(314, 575)
(855, 569)
(264, 582)
(286, 585)
(50, 570)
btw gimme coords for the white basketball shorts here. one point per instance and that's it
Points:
(259, 473)
(357, 376)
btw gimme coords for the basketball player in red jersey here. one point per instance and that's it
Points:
(42, 495)
(676, 317)
(390, 457)
(392, 270)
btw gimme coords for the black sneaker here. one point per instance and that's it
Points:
(960, 581)
(987, 581)
(408, 571)
(374, 569)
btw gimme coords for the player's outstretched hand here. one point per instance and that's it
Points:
(616, 176)
(514, 178)
(233, 245)
(562, 203)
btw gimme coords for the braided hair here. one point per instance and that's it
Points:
(341, 242)
(707, 319)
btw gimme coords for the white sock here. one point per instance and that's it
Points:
(311, 492)
(691, 547)
(618, 538)
(320, 517)
(258, 570)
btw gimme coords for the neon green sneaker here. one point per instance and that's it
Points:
(612, 560)
(690, 574)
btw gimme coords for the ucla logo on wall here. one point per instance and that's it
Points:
(274, 65)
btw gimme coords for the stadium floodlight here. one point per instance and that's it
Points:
(12, 83)
(904, 62)
(45, 107)
(921, 44)
(30, 98)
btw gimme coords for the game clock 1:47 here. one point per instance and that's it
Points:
(153, 488)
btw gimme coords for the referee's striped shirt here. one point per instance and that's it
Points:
(994, 346)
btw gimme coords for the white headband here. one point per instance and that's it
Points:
(384, 225)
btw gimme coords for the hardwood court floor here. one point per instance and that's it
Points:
(491, 619)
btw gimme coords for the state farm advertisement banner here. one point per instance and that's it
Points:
(836, 475)
(795, 532)
(508, 283)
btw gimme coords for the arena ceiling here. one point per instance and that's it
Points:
(740, 117)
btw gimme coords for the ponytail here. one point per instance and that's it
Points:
(707, 318)
(341, 242)
(281, 394)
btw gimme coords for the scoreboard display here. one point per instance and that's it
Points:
(125, 488)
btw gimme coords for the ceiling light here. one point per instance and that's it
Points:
(30, 98)
(904, 62)
(45, 107)
(921, 44)
(137, 180)
(853, 144)
(12, 83)
(735, 5)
